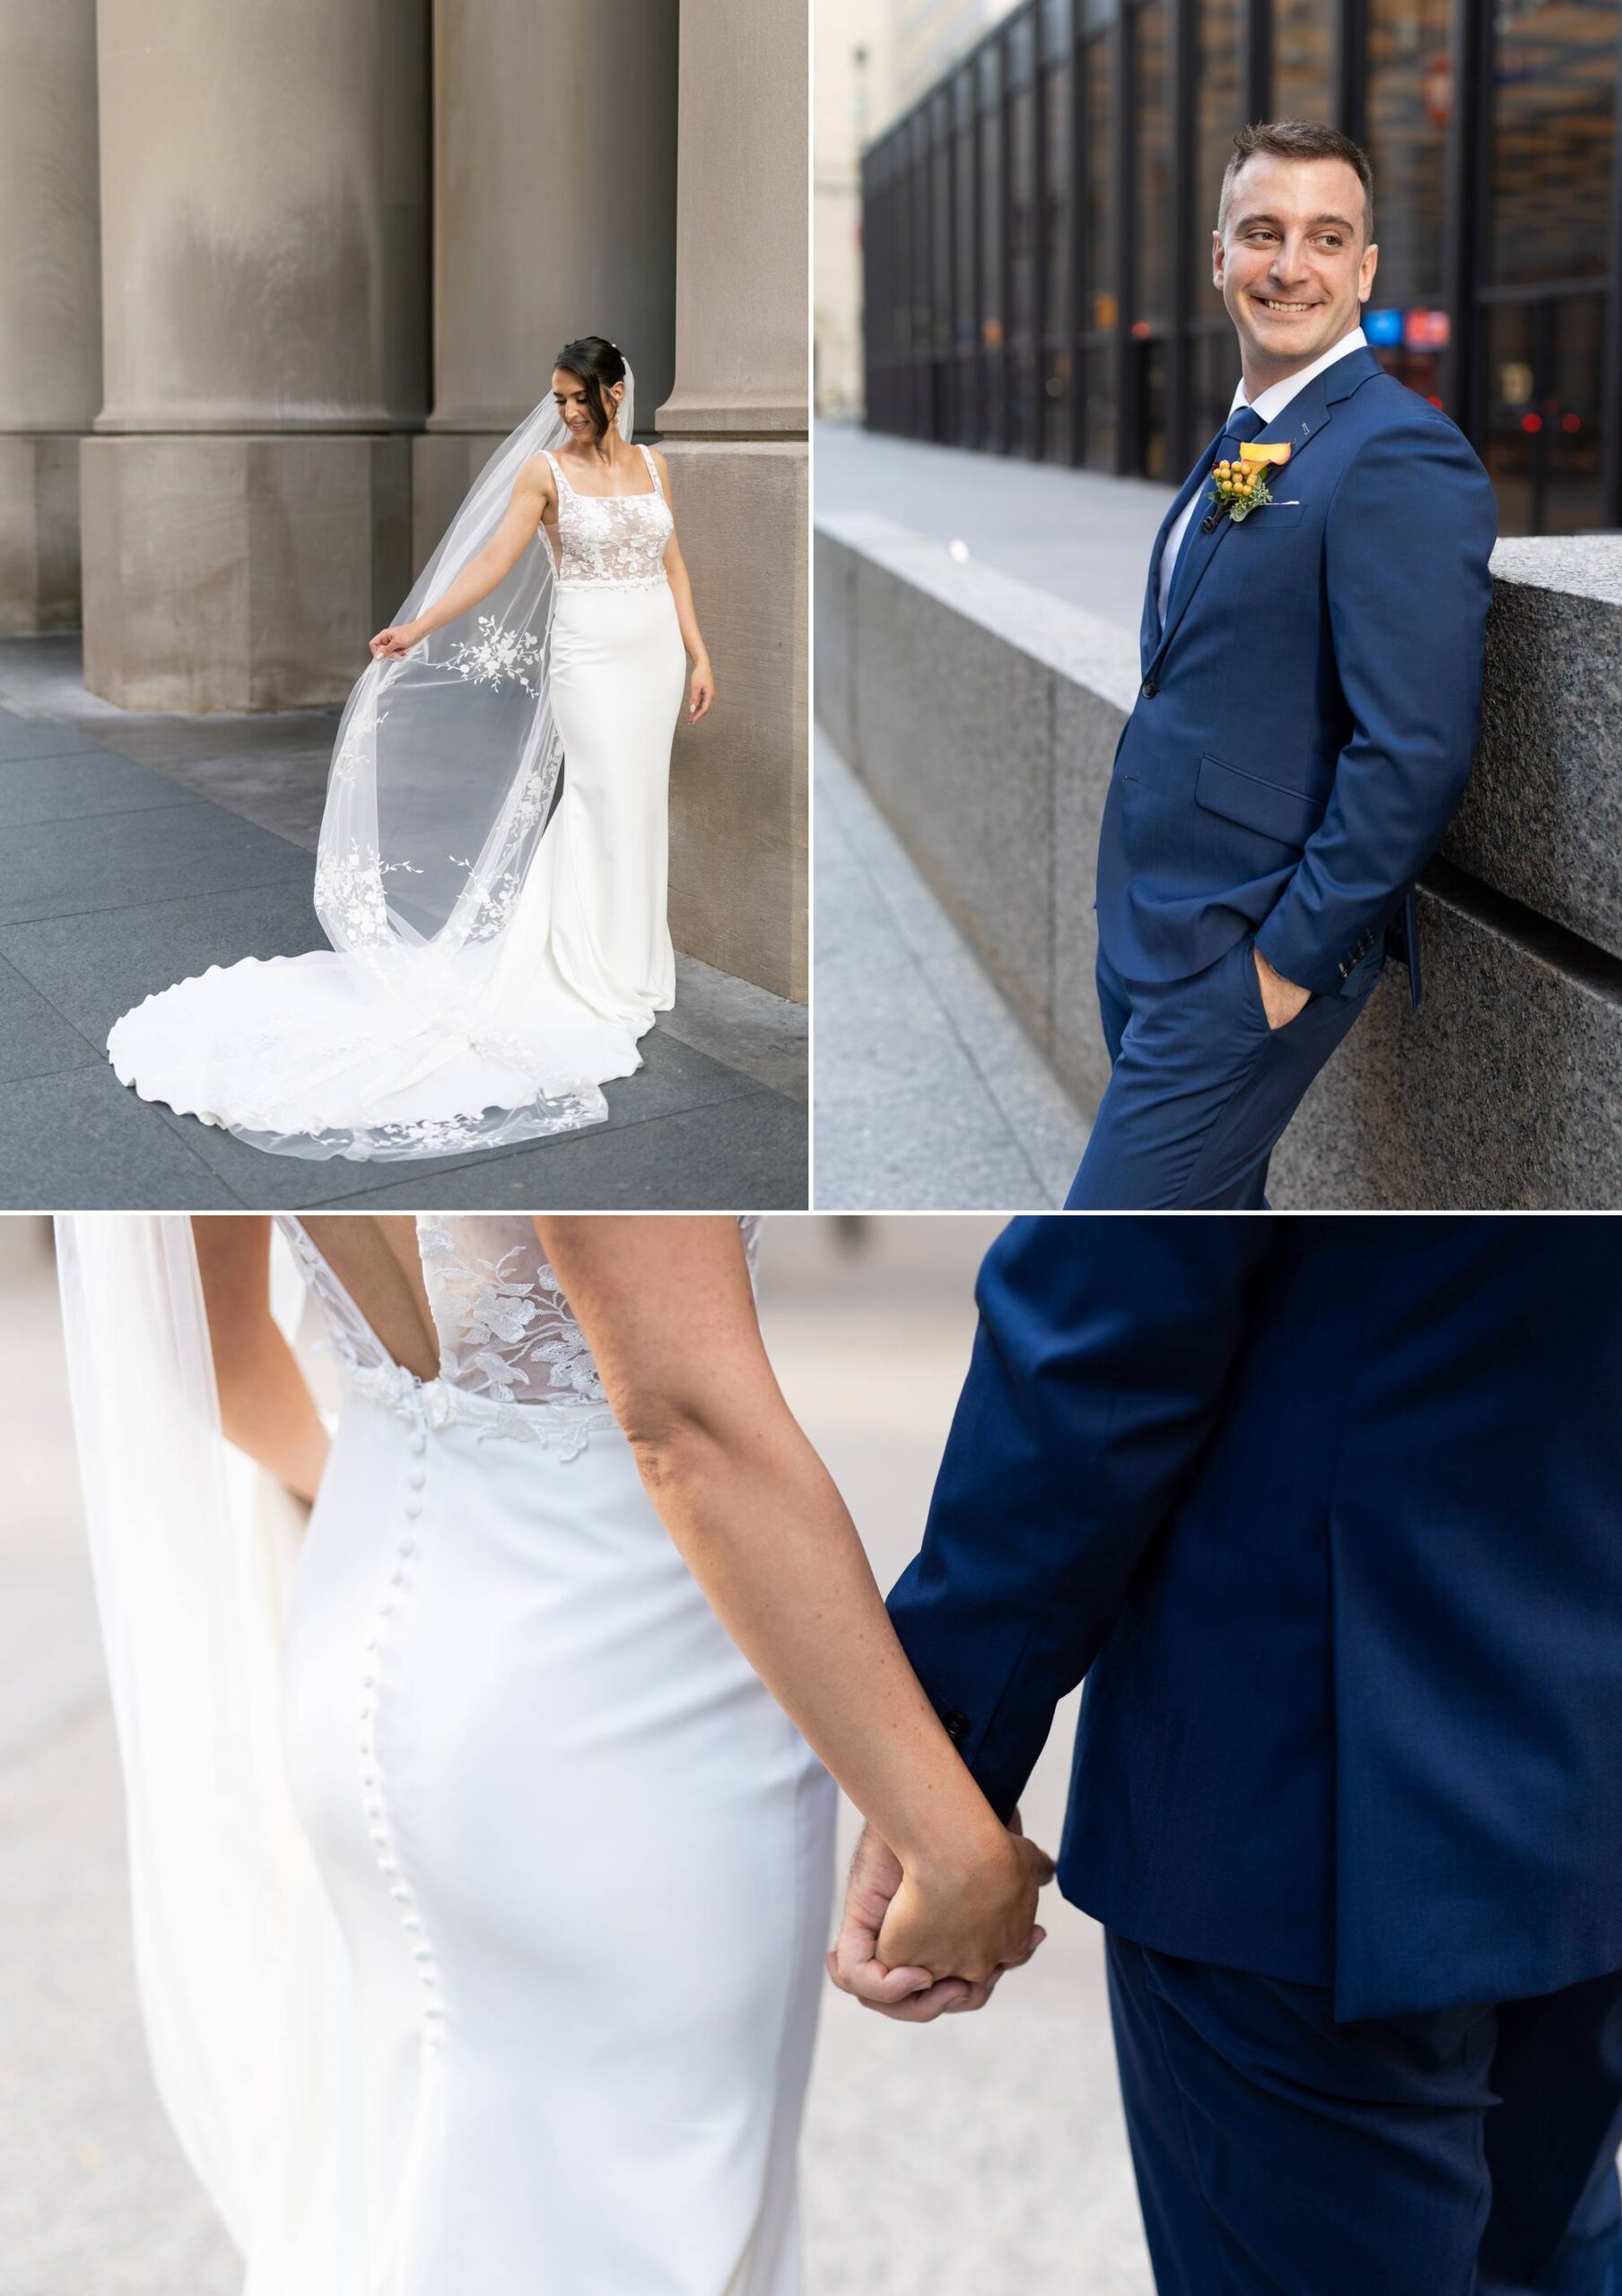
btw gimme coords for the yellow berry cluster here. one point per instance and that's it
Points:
(1237, 482)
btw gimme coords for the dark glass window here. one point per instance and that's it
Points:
(993, 286)
(965, 318)
(1096, 222)
(1543, 408)
(1551, 139)
(1058, 315)
(1152, 298)
(940, 229)
(1152, 231)
(1100, 406)
(1217, 114)
(1409, 100)
(1098, 205)
(1301, 86)
(1023, 252)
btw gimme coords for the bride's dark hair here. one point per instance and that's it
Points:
(598, 364)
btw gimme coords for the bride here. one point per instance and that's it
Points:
(491, 871)
(480, 1883)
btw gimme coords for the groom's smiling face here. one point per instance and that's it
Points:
(1291, 260)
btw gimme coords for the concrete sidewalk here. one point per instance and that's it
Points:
(983, 2156)
(139, 848)
(1081, 536)
(930, 1096)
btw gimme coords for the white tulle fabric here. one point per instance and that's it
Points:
(498, 947)
(437, 1919)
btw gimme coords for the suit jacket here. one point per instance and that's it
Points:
(1329, 1512)
(1309, 714)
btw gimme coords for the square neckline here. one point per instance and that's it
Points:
(642, 494)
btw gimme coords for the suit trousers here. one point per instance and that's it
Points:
(1450, 2153)
(1201, 1087)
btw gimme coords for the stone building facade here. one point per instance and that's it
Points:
(286, 273)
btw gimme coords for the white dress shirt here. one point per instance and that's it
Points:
(1270, 405)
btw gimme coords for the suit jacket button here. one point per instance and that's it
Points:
(1148, 689)
(955, 1725)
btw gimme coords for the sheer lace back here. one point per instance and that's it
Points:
(617, 538)
(512, 1358)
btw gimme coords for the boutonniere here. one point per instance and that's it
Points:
(1240, 487)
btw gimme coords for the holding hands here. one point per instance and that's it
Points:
(922, 1939)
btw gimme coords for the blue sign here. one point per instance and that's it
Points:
(1382, 326)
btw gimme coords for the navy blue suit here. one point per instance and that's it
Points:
(1305, 726)
(1328, 1512)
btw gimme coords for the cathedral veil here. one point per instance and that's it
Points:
(238, 1956)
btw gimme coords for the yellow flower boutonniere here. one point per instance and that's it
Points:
(1240, 487)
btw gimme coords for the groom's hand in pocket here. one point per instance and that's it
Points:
(1281, 999)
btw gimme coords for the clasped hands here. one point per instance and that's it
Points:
(918, 1942)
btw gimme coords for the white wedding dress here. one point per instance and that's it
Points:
(505, 1028)
(581, 1862)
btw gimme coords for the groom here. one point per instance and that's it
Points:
(1329, 1513)
(1311, 656)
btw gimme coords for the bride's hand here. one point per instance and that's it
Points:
(972, 1916)
(397, 641)
(704, 691)
(978, 1906)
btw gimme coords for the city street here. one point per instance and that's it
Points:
(982, 2156)
(140, 848)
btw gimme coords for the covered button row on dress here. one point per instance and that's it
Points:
(375, 1809)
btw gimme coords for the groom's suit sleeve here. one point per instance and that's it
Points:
(1104, 1350)
(1408, 539)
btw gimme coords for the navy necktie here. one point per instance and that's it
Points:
(1243, 423)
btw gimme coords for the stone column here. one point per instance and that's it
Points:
(734, 431)
(554, 215)
(264, 200)
(50, 303)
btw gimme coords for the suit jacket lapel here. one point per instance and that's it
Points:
(1308, 413)
(1148, 636)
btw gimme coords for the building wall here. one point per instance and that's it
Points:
(929, 36)
(1037, 229)
(338, 244)
(853, 96)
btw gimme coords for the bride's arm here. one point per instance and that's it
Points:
(668, 1312)
(266, 1409)
(531, 492)
(686, 613)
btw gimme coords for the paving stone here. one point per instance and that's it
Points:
(78, 1142)
(71, 784)
(155, 853)
(35, 1039)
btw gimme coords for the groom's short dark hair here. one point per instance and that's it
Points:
(1299, 139)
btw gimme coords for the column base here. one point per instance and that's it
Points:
(738, 781)
(38, 532)
(240, 572)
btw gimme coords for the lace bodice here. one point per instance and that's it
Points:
(617, 538)
(512, 1358)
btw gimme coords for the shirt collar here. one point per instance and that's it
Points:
(1270, 403)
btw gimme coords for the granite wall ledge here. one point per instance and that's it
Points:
(983, 716)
